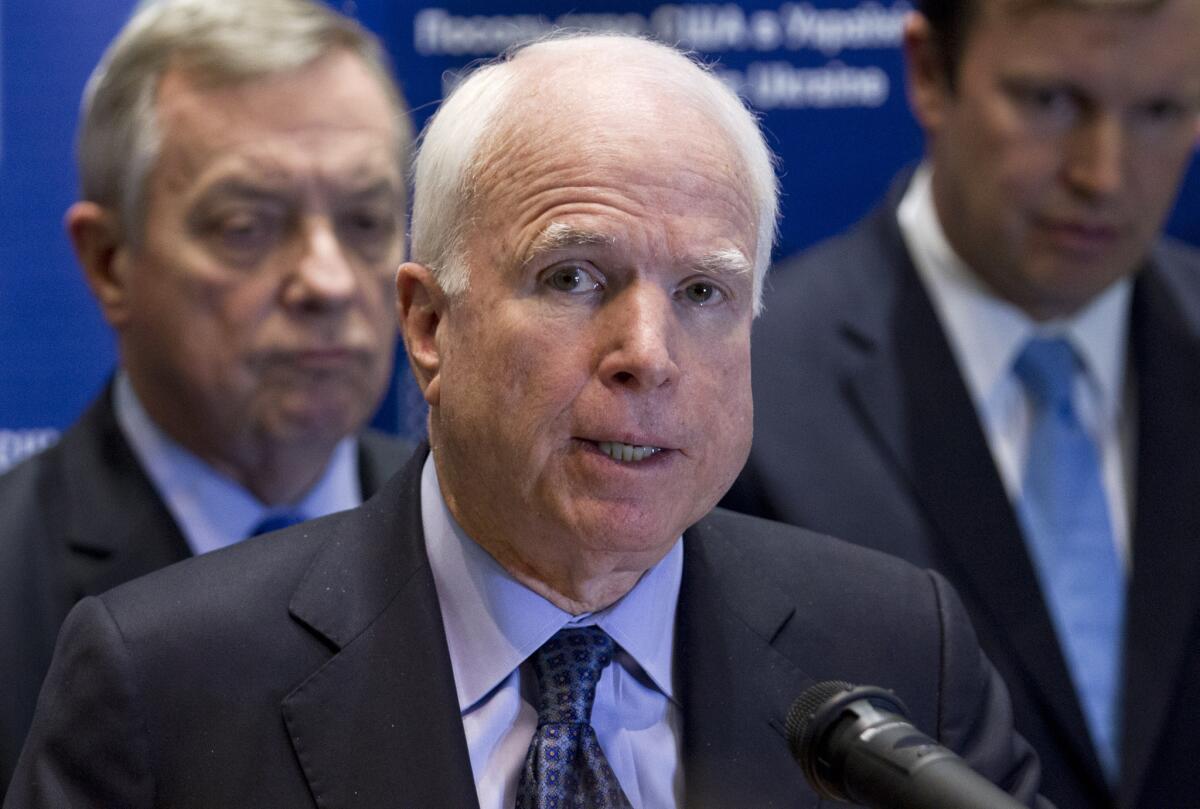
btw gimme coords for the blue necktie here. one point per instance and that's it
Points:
(565, 767)
(1065, 516)
(275, 521)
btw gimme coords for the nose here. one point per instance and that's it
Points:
(1096, 157)
(322, 277)
(639, 327)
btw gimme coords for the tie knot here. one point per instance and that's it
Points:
(276, 520)
(1046, 367)
(567, 668)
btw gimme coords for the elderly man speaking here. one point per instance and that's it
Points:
(543, 609)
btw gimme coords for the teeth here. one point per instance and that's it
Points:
(626, 452)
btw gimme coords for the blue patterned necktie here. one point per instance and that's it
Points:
(276, 520)
(565, 767)
(1065, 516)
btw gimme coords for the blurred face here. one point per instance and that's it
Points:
(258, 310)
(592, 395)
(1059, 152)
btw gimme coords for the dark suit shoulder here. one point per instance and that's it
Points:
(1181, 257)
(178, 677)
(381, 455)
(863, 587)
(839, 611)
(835, 269)
(33, 597)
(248, 588)
(781, 551)
(1176, 267)
(836, 296)
(33, 516)
(38, 485)
(25, 496)
(183, 676)
(251, 578)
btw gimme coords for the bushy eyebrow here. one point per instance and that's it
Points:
(560, 236)
(376, 189)
(724, 262)
(241, 188)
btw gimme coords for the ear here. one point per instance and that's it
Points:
(421, 306)
(929, 92)
(95, 234)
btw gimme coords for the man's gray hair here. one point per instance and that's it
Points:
(459, 139)
(215, 43)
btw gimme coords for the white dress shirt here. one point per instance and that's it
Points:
(987, 333)
(211, 510)
(494, 623)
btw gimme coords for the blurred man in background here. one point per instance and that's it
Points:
(242, 219)
(995, 374)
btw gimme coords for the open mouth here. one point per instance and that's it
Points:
(626, 453)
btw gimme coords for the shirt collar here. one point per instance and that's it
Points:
(986, 332)
(213, 511)
(493, 622)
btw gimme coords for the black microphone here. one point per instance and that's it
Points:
(856, 744)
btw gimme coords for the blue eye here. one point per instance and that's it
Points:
(702, 293)
(571, 279)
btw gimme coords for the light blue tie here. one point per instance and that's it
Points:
(1065, 516)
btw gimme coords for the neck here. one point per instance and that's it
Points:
(275, 475)
(575, 589)
(277, 468)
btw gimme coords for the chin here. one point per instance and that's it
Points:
(312, 424)
(624, 530)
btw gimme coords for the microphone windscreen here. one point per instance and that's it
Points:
(803, 712)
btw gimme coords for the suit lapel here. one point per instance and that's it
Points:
(1164, 596)
(378, 724)
(115, 527)
(734, 687)
(907, 388)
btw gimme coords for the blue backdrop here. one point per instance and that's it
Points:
(826, 75)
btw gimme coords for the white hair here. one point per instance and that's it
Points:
(215, 42)
(455, 144)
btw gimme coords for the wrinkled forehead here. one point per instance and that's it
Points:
(575, 119)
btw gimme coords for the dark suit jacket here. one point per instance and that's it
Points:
(865, 429)
(79, 519)
(312, 669)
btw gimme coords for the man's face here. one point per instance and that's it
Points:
(609, 311)
(258, 310)
(1059, 151)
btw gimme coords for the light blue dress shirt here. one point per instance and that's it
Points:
(211, 510)
(494, 623)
